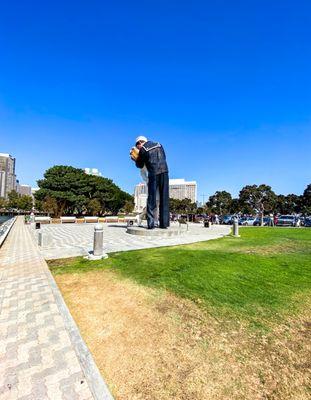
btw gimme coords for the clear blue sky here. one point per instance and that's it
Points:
(224, 85)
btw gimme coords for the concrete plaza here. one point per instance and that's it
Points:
(70, 240)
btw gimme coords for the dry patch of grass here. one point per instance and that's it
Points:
(287, 247)
(150, 344)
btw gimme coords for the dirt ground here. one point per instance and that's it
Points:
(150, 344)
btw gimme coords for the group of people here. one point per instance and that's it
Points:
(150, 158)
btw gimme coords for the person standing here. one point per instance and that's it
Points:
(152, 156)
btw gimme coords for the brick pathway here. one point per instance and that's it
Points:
(42, 355)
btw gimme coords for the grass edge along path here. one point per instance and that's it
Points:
(258, 278)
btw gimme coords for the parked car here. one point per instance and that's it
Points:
(226, 219)
(247, 221)
(266, 221)
(288, 220)
(302, 221)
(307, 222)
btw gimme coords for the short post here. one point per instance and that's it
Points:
(40, 239)
(97, 253)
(236, 227)
(98, 240)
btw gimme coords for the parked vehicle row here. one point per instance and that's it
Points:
(279, 220)
(228, 219)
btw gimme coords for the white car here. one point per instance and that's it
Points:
(247, 221)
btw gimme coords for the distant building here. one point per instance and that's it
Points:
(181, 189)
(7, 174)
(178, 188)
(92, 171)
(23, 189)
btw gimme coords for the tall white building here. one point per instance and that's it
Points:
(181, 189)
(92, 171)
(7, 174)
(178, 189)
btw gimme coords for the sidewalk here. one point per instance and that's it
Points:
(42, 355)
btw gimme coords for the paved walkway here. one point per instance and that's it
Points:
(69, 240)
(42, 355)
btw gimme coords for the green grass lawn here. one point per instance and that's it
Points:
(258, 278)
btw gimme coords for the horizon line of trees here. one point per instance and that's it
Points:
(253, 199)
(66, 190)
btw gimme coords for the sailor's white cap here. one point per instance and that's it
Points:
(141, 139)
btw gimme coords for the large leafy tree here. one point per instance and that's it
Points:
(306, 200)
(220, 202)
(94, 207)
(259, 198)
(73, 191)
(235, 206)
(288, 204)
(49, 205)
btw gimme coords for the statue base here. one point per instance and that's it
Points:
(142, 231)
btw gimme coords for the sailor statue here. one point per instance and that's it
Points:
(150, 157)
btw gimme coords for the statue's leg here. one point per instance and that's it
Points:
(163, 181)
(157, 211)
(151, 201)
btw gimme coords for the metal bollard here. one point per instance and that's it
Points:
(236, 228)
(98, 240)
(40, 239)
(97, 253)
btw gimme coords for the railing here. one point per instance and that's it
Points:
(5, 229)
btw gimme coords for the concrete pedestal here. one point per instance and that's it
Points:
(142, 231)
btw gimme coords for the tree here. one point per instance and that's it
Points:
(288, 204)
(235, 206)
(174, 206)
(25, 203)
(49, 205)
(255, 198)
(129, 206)
(306, 200)
(73, 190)
(184, 206)
(220, 202)
(19, 202)
(94, 207)
(200, 210)
(13, 197)
(3, 203)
